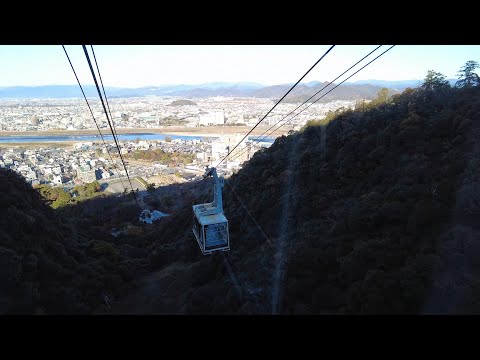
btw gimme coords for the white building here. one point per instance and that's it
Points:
(80, 145)
(143, 145)
(105, 174)
(33, 159)
(57, 170)
(58, 180)
(202, 156)
(213, 118)
(232, 140)
(23, 168)
(86, 174)
(31, 175)
(219, 149)
(274, 120)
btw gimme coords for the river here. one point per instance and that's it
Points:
(121, 137)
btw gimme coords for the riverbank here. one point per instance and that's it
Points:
(221, 130)
(36, 144)
(167, 130)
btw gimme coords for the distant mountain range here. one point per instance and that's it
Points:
(394, 84)
(366, 89)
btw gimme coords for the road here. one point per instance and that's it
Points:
(115, 186)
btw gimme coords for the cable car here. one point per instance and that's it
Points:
(210, 226)
(148, 217)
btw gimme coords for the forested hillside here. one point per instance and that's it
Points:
(372, 211)
(49, 262)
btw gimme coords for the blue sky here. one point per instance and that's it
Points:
(142, 65)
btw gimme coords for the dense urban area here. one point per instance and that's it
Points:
(70, 163)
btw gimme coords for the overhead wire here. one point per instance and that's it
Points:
(329, 91)
(363, 58)
(246, 209)
(91, 112)
(238, 154)
(274, 304)
(231, 187)
(306, 101)
(108, 120)
(351, 67)
(278, 102)
(104, 94)
(249, 214)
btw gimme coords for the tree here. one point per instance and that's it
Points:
(360, 104)
(63, 199)
(382, 96)
(46, 192)
(167, 201)
(168, 139)
(466, 76)
(150, 187)
(434, 81)
(92, 188)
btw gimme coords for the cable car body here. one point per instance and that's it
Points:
(210, 226)
(148, 217)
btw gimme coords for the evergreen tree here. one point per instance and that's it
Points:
(382, 98)
(434, 81)
(466, 76)
(382, 95)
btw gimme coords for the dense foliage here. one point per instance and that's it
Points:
(49, 262)
(371, 211)
(161, 156)
(380, 207)
(182, 102)
(58, 197)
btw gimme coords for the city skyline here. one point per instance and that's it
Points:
(136, 66)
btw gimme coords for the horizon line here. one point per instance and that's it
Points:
(209, 83)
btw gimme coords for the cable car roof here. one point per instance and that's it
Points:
(211, 219)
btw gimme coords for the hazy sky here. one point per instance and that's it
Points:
(140, 65)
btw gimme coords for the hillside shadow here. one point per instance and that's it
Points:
(377, 195)
(376, 212)
(367, 203)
